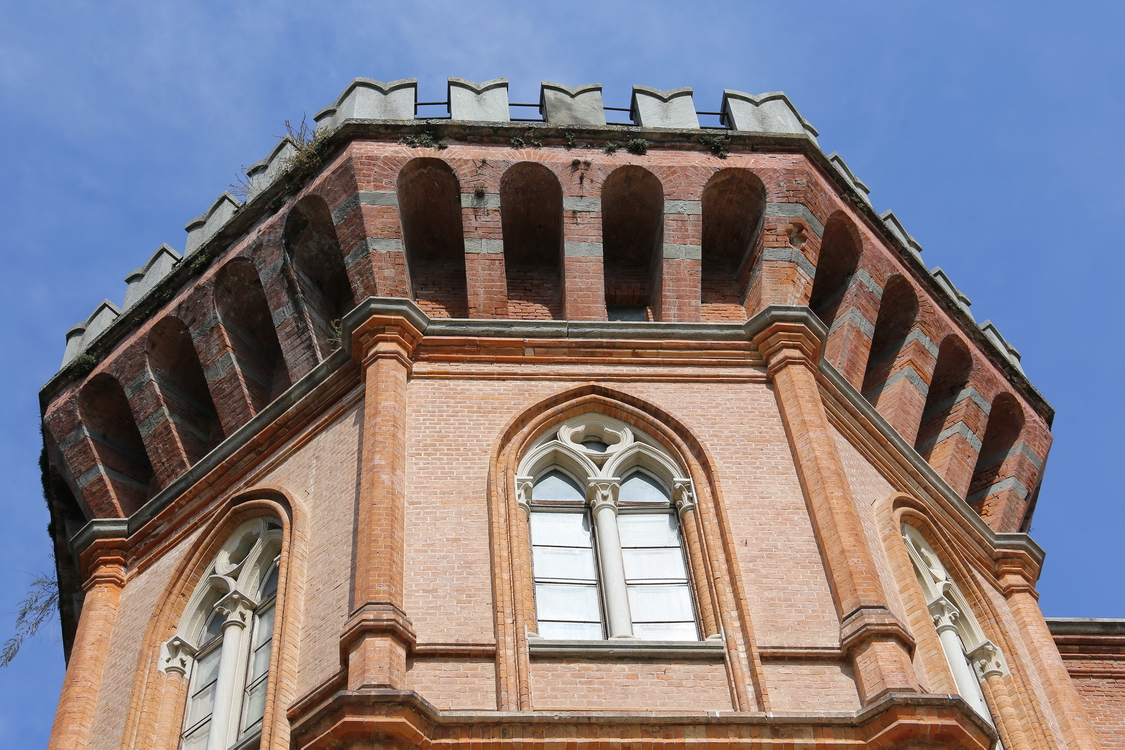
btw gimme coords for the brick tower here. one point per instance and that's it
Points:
(482, 432)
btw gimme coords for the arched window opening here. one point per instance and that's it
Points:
(318, 265)
(1005, 423)
(224, 641)
(531, 212)
(897, 314)
(840, 250)
(429, 204)
(733, 205)
(105, 412)
(67, 519)
(632, 231)
(971, 657)
(174, 364)
(951, 375)
(245, 316)
(607, 553)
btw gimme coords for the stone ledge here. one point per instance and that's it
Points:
(629, 649)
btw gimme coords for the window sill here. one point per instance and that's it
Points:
(628, 649)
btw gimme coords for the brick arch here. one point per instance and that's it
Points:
(840, 251)
(174, 364)
(325, 293)
(245, 316)
(710, 547)
(125, 471)
(429, 204)
(733, 206)
(632, 216)
(158, 698)
(531, 212)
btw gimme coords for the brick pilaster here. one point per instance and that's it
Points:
(485, 280)
(378, 635)
(106, 562)
(1018, 587)
(583, 272)
(878, 645)
(677, 285)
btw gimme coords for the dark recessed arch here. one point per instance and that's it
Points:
(951, 374)
(246, 318)
(1005, 423)
(531, 213)
(105, 412)
(174, 363)
(318, 266)
(429, 204)
(632, 228)
(840, 250)
(733, 205)
(897, 313)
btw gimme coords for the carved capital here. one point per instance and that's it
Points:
(176, 657)
(785, 343)
(988, 661)
(944, 614)
(683, 495)
(237, 608)
(602, 493)
(523, 495)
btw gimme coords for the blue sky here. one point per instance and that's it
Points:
(992, 129)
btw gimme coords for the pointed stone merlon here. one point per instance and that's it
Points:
(206, 225)
(849, 176)
(653, 108)
(84, 334)
(480, 102)
(946, 284)
(764, 113)
(898, 230)
(1009, 351)
(142, 280)
(265, 172)
(368, 99)
(563, 105)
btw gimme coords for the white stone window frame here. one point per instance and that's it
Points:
(600, 473)
(972, 658)
(230, 586)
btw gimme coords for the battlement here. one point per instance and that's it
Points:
(481, 216)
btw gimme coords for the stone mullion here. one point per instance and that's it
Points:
(83, 680)
(485, 282)
(676, 289)
(878, 645)
(1058, 687)
(583, 270)
(378, 635)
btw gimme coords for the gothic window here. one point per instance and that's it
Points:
(224, 641)
(608, 558)
(972, 658)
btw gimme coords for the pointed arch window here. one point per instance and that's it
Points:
(608, 557)
(971, 657)
(224, 642)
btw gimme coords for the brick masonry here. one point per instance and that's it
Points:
(406, 573)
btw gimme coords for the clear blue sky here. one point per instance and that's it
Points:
(993, 129)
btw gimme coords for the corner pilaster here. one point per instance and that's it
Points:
(790, 340)
(378, 635)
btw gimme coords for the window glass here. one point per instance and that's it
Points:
(561, 530)
(557, 486)
(563, 563)
(649, 530)
(214, 627)
(269, 586)
(656, 577)
(639, 487)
